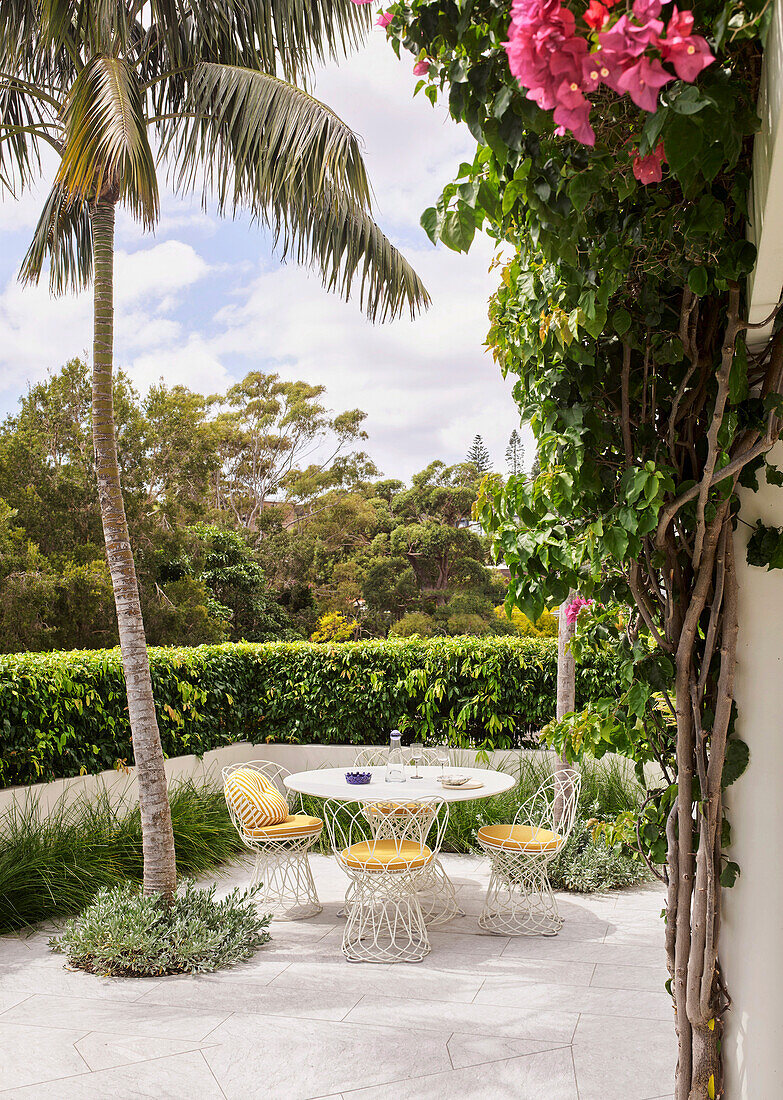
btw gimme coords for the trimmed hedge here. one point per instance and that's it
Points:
(64, 714)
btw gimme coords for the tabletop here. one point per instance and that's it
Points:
(331, 783)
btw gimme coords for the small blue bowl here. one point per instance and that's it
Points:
(358, 779)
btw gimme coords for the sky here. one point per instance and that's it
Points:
(204, 300)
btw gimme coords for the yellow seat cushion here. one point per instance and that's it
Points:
(520, 838)
(399, 809)
(256, 802)
(295, 825)
(386, 855)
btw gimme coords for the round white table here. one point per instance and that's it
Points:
(331, 783)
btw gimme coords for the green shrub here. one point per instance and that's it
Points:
(586, 865)
(125, 934)
(415, 622)
(63, 714)
(53, 866)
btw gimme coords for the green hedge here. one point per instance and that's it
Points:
(63, 714)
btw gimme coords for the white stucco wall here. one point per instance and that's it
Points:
(766, 197)
(122, 787)
(752, 936)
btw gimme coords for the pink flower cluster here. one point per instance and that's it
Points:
(554, 63)
(649, 169)
(575, 606)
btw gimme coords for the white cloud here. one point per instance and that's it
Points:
(412, 149)
(193, 364)
(38, 332)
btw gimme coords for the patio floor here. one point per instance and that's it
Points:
(581, 1016)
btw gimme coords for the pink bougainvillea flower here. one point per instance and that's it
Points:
(597, 15)
(542, 48)
(594, 70)
(642, 81)
(421, 68)
(647, 9)
(680, 23)
(385, 19)
(688, 54)
(649, 169)
(361, 1)
(575, 606)
(573, 111)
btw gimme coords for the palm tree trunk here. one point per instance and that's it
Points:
(157, 836)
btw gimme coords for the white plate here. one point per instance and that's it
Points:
(471, 785)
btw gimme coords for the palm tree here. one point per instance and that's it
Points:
(207, 90)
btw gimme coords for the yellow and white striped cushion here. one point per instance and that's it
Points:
(255, 800)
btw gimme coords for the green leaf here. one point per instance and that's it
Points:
(616, 541)
(621, 321)
(459, 227)
(580, 189)
(682, 142)
(735, 762)
(729, 874)
(429, 223)
(698, 281)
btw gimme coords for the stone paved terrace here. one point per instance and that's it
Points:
(582, 1016)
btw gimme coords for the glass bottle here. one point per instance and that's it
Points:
(395, 763)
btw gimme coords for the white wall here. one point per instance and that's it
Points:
(752, 936)
(122, 786)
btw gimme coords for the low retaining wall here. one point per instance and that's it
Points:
(121, 786)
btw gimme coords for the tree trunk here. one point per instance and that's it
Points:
(157, 836)
(566, 693)
(566, 666)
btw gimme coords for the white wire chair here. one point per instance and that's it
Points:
(385, 849)
(437, 897)
(282, 865)
(519, 899)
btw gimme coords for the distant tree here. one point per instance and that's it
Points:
(277, 437)
(478, 455)
(535, 469)
(515, 453)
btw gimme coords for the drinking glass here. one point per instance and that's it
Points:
(417, 757)
(442, 760)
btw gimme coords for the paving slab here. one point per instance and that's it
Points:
(578, 1016)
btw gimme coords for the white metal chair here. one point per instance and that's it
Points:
(436, 892)
(385, 849)
(282, 865)
(519, 900)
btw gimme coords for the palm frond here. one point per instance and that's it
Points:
(106, 145)
(19, 138)
(265, 146)
(262, 145)
(64, 237)
(287, 36)
(345, 245)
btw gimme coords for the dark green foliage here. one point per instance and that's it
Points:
(53, 866)
(126, 934)
(63, 714)
(765, 547)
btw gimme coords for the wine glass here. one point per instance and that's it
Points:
(442, 760)
(417, 757)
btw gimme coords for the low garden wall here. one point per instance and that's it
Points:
(121, 787)
(64, 714)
